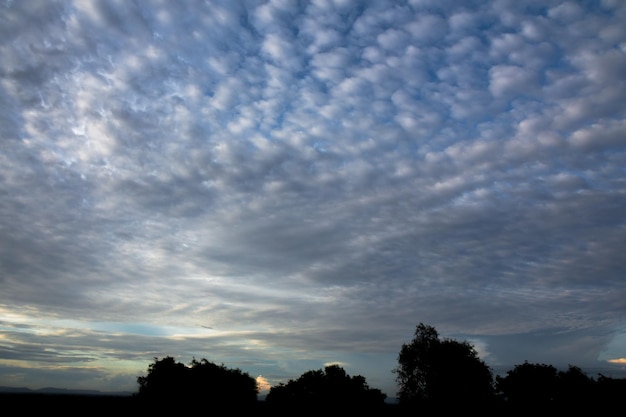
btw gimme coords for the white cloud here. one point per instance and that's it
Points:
(505, 80)
(426, 28)
(600, 136)
(566, 12)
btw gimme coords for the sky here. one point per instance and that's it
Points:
(277, 186)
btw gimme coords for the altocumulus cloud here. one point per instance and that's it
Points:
(279, 185)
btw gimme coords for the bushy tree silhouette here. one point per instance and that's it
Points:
(610, 392)
(328, 388)
(533, 387)
(529, 384)
(168, 381)
(165, 379)
(225, 385)
(440, 372)
(574, 387)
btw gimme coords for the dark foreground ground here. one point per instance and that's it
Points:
(75, 405)
(81, 405)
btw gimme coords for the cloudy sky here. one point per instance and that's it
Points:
(281, 185)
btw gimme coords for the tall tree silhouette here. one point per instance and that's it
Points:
(441, 371)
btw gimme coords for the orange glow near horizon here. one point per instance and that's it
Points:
(263, 383)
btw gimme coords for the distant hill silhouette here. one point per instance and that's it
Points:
(62, 391)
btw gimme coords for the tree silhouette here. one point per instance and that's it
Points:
(226, 385)
(168, 381)
(529, 384)
(165, 378)
(574, 387)
(328, 388)
(441, 371)
(610, 392)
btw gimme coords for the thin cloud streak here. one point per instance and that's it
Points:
(312, 180)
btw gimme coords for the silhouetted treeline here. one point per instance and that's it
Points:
(435, 376)
(169, 382)
(533, 386)
(433, 373)
(446, 374)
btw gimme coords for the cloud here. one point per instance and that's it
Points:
(263, 384)
(509, 79)
(310, 180)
